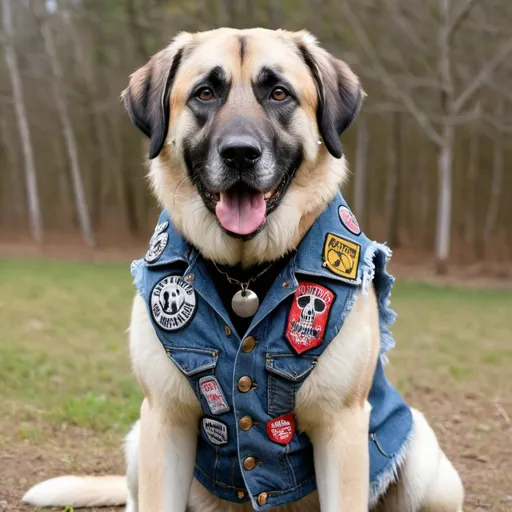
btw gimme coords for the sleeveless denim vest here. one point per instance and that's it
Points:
(248, 447)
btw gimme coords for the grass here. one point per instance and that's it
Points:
(63, 343)
(66, 383)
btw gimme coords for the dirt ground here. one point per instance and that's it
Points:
(476, 435)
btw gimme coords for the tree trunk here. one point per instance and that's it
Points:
(393, 185)
(36, 223)
(498, 167)
(14, 209)
(69, 136)
(99, 152)
(361, 171)
(473, 167)
(444, 205)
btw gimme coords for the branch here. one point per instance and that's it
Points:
(481, 78)
(409, 103)
(461, 16)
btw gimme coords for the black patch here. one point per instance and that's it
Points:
(206, 110)
(267, 79)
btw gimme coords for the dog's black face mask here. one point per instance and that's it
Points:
(246, 156)
(251, 118)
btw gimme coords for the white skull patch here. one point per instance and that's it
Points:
(307, 320)
(173, 303)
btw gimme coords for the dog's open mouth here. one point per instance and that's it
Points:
(242, 210)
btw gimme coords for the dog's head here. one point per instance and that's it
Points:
(244, 130)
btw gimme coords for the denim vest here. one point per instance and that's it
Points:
(248, 446)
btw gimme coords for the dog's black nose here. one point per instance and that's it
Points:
(240, 151)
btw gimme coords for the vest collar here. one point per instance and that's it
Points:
(309, 259)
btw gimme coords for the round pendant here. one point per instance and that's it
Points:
(245, 303)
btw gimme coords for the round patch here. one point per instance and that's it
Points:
(173, 303)
(348, 220)
(157, 246)
(162, 226)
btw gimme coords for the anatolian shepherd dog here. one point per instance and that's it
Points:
(245, 158)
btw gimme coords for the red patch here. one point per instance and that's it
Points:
(308, 316)
(282, 429)
(349, 220)
(211, 390)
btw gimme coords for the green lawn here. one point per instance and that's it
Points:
(63, 343)
(64, 365)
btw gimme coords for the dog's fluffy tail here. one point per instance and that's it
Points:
(79, 491)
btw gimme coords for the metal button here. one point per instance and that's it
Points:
(286, 284)
(248, 344)
(244, 384)
(190, 277)
(249, 463)
(245, 423)
(262, 498)
(227, 330)
(240, 494)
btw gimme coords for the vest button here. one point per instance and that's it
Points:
(249, 463)
(227, 330)
(248, 344)
(244, 384)
(240, 494)
(262, 498)
(245, 423)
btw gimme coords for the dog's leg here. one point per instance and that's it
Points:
(166, 461)
(332, 409)
(131, 453)
(168, 425)
(342, 461)
(428, 482)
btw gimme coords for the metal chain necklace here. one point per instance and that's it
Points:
(245, 302)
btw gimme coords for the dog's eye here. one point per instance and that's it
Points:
(279, 94)
(205, 94)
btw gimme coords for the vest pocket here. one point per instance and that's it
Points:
(286, 373)
(192, 361)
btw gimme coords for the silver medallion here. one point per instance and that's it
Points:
(245, 303)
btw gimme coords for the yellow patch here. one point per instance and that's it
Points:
(341, 256)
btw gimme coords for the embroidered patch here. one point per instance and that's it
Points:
(341, 256)
(158, 242)
(161, 227)
(216, 431)
(157, 246)
(173, 303)
(308, 316)
(281, 430)
(349, 220)
(211, 390)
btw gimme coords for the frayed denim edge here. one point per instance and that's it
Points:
(379, 486)
(387, 316)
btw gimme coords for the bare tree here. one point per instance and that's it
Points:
(452, 104)
(498, 166)
(68, 133)
(36, 223)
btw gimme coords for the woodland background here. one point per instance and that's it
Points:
(429, 154)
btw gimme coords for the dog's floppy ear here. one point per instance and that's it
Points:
(340, 94)
(146, 98)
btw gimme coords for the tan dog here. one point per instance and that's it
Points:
(275, 93)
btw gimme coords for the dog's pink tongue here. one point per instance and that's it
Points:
(241, 213)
